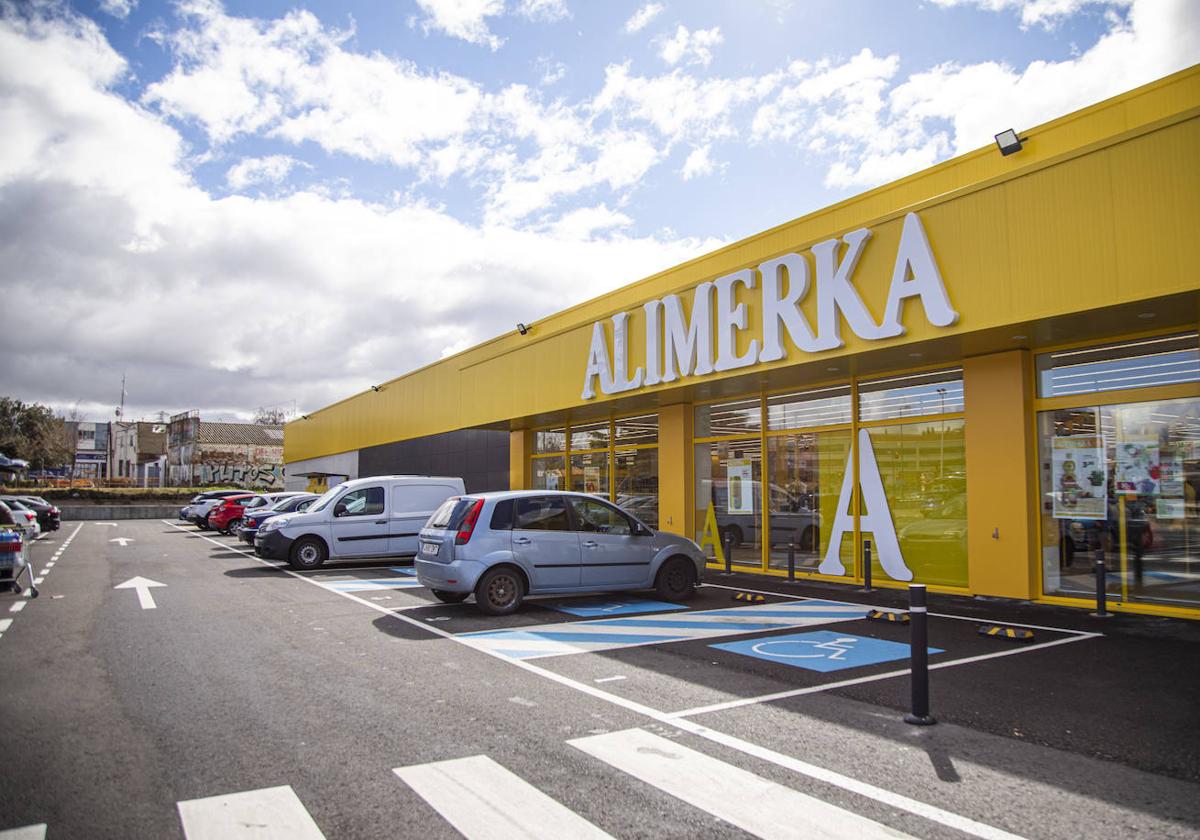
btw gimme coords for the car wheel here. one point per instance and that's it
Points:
(308, 553)
(232, 527)
(499, 591)
(449, 597)
(676, 580)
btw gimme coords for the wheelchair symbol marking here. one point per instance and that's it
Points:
(839, 647)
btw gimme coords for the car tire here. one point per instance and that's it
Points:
(500, 591)
(449, 597)
(308, 553)
(676, 580)
(232, 526)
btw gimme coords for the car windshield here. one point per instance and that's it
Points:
(326, 497)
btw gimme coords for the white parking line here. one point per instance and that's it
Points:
(486, 801)
(895, 800)
(741, 798)
(267, 814)
(17, 606)
(28, 832)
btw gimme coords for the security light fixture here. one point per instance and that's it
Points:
(303, 416)
(523, 329)
(1008, 141)
(376, 387)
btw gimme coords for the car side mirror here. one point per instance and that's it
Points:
(339, 509)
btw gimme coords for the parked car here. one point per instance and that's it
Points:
(506, 545)
(49, 516)
(196, 511)
(367, 517)
(25, 516)
(253, 520)
(226, 516)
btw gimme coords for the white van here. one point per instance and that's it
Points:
(357, 520)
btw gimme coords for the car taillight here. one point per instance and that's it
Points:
(468, 524)
(29, 517)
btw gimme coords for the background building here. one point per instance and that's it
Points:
(139, 452)
(92, 453)
(988, 370)
(201, 454)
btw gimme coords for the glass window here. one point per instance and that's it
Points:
(805, 473)
(1167, 360)
(548, 473)
(731, 418)
(589, 473)
(633, 431)
(637, 483)
(728, 500)
(367, 501)
(502, 515)
(450, 513)
(901, 397)
(550, 440)
(542, 513)
(822, 407)
(590, 436)
(924, 472)
(1121, 481)
(599, 518)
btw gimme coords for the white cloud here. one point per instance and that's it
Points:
(547, 11)
(698, 164)
(97, 211)
(551, 71)
(270, 169)
(118, 8)
(1044, 13)
(690, 47)
(642, 17)
(465, 19)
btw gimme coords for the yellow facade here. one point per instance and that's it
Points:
(1088, 234)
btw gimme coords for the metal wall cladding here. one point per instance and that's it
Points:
(479, 456)
(1099, 209)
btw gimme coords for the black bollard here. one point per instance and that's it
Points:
(919, 647)
(866, 566)
(1101, 588)
(791, 560)
(728, 553)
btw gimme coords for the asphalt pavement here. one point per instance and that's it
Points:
(236, 699)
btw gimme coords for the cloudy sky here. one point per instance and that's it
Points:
(281, 202)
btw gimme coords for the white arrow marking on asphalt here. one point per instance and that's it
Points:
(124, 541)
(142, 585)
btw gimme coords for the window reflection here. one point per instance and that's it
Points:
(915, 395)
(1166, 360)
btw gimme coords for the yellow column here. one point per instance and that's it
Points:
(675, 469)
(1002, 494)
(520, 444)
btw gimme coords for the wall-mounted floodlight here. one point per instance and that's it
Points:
(376, 387)
(523, 329)
(303, 416)
(1008, 141)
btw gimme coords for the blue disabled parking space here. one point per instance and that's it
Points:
(603, 607)
(821, 650)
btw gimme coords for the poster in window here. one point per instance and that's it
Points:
(591, 480)
(1080, 477)
(552, 480)
(1170, 472)
(1138, 471)
(740, 484)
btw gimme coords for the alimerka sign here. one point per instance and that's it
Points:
(680, 344)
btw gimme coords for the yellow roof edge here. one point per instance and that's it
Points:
(1057, 122)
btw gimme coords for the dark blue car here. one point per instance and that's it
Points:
(291, 504)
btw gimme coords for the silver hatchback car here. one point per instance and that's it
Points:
(504, 546)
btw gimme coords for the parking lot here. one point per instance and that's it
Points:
(168, 683)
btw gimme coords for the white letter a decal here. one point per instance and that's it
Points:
(876, 519)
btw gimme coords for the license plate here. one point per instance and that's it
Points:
(430, 548)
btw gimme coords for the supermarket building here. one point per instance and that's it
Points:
(990, 370)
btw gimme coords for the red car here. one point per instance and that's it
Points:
(227, 515)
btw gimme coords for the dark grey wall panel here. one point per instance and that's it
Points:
(478, 456)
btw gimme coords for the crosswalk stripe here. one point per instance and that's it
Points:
(608, 633)
(486, 801)
(267, 814)
(739, 797)
(27, 832)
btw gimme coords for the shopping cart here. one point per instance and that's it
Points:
(13, 561)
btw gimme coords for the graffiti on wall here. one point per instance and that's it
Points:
(241, 475)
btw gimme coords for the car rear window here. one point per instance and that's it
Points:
(502, 516)
(451, 514)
